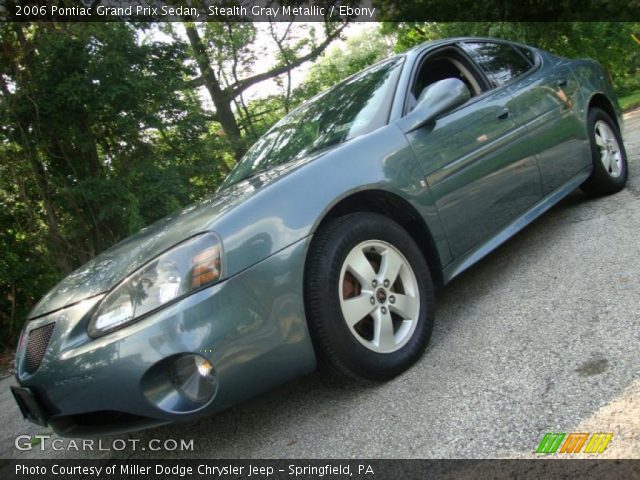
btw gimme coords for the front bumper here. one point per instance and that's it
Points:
(251, 327)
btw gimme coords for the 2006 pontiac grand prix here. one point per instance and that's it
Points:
(325, 243)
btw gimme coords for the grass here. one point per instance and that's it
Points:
(630, 101)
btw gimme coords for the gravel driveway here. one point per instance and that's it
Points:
(541, 336)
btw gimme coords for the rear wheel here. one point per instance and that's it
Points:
(368, 296)
(608, 156)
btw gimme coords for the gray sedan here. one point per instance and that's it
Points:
(326, 242)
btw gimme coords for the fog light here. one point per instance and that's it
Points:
(194, 378)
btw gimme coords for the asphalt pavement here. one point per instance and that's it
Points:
(541, 336)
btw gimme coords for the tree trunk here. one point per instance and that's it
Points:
(12, 299)
(221, 100)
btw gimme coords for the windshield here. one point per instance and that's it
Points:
(351, 108)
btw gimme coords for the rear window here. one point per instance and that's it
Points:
(500, 61)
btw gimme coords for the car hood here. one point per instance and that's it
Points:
(108, 268)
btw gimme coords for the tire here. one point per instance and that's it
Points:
(367, 351)
(608, 155)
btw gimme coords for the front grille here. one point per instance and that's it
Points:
(37, 345)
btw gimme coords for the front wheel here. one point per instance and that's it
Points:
(608, 156)
(368, 296)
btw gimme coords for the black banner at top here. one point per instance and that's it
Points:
(321, 10)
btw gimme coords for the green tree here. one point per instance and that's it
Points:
(334, 65)
(339, 62)
(225, 54)
(99, 136)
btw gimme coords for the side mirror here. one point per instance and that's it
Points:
(435, 100)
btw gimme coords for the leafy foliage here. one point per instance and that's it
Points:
(339, 62)
(97, 140)
(336, 64)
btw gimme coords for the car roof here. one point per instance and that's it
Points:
(446, 41)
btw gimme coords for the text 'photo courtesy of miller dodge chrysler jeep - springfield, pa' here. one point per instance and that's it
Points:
(325, 243)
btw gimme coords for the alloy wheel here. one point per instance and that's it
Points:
(379, 296)
(607, 143)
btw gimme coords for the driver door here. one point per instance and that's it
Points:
(479, 169)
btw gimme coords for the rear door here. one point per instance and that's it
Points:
(479, 171)
(543, 101)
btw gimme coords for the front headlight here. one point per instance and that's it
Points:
(190, 265)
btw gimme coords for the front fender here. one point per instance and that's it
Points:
(293, 206)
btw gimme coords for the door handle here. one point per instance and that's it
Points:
(504, 114)
(562, 82)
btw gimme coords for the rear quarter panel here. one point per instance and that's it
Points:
(593, 79)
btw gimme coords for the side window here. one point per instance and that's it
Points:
(500, 61)
(529, 55)
(443, 64)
